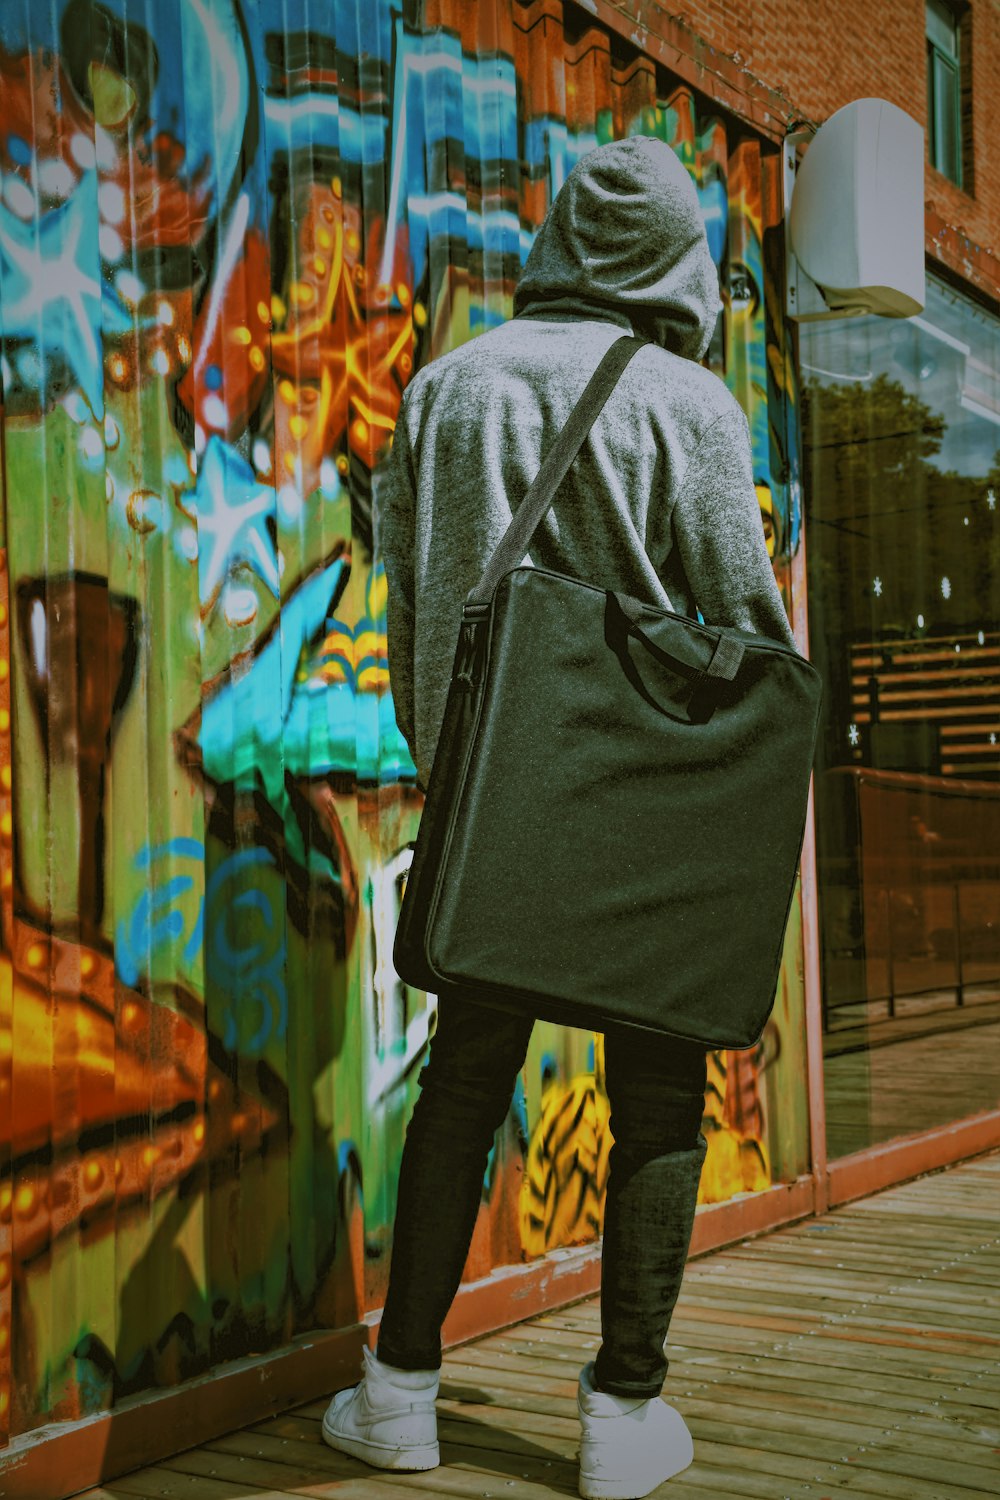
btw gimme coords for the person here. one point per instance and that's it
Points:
(660, 504)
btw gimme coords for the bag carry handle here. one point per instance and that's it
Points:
(691, 706)
(726, 657)
(513, 546)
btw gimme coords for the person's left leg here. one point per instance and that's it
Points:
(466, 1087)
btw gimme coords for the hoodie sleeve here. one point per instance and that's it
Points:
(395, 507)
(717, 529)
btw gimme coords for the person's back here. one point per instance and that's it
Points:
(660, 502)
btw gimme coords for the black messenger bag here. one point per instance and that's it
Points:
(617, 804)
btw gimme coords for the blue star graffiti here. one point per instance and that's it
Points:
(230, 507)
(57, 306)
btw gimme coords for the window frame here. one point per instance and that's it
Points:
(954, 63)
(937, 59)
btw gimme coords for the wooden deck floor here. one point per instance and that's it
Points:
(852, 1355)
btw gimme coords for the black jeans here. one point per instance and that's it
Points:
(656, 1090)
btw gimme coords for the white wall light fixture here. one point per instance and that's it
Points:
(854, 215)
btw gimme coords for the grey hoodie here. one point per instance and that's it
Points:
(660, 502)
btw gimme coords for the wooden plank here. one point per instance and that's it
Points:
(953, 1193)
(853, 1478)
(945, 1266)
(693, 1338)
(909, 1237)
(786, 1378)
(862, 1213)
(815, 1398)
(794, 1410)
(501, 1370)
(305, 1461)
(309, 1467)
(682, 1370)
(159, 1481)
(862, 1271)
(108, 1491)
(926, 1211)
(899, 1387)
(693, 1322)
(839, 1283)
(842, 1300)
(799, 1458)
(916, 1453)
(523, 1467)
(881, 1340)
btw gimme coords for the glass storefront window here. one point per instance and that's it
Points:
(901, 489)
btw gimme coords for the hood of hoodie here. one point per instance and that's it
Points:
(624, 240)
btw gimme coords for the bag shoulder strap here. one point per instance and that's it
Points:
(513, 545)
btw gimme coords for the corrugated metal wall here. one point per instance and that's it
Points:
(228, 234)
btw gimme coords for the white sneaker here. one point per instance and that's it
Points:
(628, 1445)
(389, 1420)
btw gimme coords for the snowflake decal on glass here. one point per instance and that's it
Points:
(991, 500)
(946, 587)
(854, 734)
(877, 586)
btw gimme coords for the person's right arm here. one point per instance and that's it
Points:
(718, 531)
(395, 508)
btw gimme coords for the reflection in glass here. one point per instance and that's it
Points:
(901, 474)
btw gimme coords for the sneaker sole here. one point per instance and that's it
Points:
(594, 1487)
(609, 1489)
(416, 1459)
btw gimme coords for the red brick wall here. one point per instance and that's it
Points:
(817, 57)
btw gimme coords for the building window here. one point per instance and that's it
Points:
(900, 422)
(944, 90)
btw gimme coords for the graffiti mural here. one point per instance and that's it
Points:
(227, 240)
